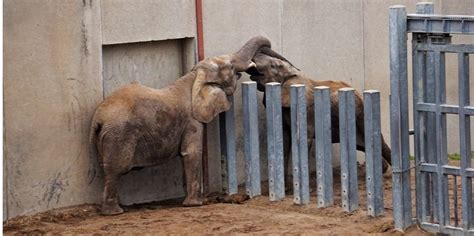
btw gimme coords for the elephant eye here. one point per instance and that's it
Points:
(272, 66)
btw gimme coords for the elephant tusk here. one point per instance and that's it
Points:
(252, 64)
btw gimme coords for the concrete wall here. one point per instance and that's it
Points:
(62, 57)
(52, 83)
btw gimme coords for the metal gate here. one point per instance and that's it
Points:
(431, 41)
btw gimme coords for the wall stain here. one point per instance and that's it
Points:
(84, 40)
(53, 189)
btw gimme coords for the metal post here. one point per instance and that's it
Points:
(322, 124)
(299, 144)
(229, 173)
(275, 142)
(251, 141)
(423, 205)
(465, 140)
(399, 117)
(373, 153)
(348, 152)
(441, 142)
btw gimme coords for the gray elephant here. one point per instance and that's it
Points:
(138, 126)
(272, 67)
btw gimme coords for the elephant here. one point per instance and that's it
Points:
(138, 126)
(272, 67)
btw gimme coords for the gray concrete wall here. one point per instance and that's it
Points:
(62, 57)
(52, 83)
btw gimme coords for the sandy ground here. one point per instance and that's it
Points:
(256, 216)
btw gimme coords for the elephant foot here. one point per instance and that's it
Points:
(386, 168)
(237, 198)
(191, 202)
(111, 209)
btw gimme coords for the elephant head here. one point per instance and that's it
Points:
(216, 79)
(270, 67)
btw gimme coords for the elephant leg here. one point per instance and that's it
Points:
(387, 156)
(191, 151)
(116, 161)
(361, 147)
(192, 168)
(286, 157)
(110, 201)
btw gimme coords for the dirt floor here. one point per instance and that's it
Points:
(256, 216)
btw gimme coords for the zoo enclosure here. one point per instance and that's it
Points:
(431, 41)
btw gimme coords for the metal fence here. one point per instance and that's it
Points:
(431, 41)
(299, 147)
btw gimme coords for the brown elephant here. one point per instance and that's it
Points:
(138, 126)
(272, 67)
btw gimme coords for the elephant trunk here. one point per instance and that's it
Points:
(244, 56)
(269, 52)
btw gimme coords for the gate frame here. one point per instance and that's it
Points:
(435, 29)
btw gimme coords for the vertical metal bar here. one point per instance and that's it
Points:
(275, 142)
(465, 140)
(399, 117)
(230, 149)
(455, 203)
(348, 152)
(322, 124)
(299, 144)
(419, 118)
(430, 97)
(441, 147)
(251, 141)
(373, 153)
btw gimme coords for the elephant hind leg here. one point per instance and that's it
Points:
(386, 160)
(110, 200)
(117, 160)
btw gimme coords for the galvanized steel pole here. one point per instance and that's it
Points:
(275, 142)
(299, 144)
(399, 117)
(348, 152)
(373, 153)
(322, 124)
(251, 144)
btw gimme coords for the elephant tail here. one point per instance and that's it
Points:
(93, 151)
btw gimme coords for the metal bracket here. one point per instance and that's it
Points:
(432, 38)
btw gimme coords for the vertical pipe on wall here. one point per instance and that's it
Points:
(200, 54)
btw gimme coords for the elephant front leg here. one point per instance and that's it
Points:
(192, 161)
(192, 171)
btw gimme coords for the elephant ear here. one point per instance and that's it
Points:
(208, 100)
